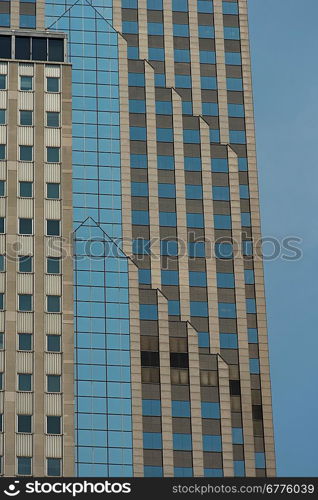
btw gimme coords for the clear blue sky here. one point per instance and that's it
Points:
(284, 43)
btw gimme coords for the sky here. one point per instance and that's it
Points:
(284, 45)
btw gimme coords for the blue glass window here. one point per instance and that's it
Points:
(210, 410)
(246, 219)
(153, 471)
(207, 57)
(210, 108)
(138, 161)
(196, 249)
(139, 189)
(222, 221)
(236, 110)
(206, 31)
(174, 307)
(5, 20)
(181, 409)
(228, 341)
(137, 106)
(204, 339)
(24, 466)
(24, 382)
(26, 153)
(233, 58)
(54, 466)
(213, 472)
(260, 460)
(141, 246)
(155, 29)
(133, 52)
(154, 4)
(152, 440)
(227, 310)
(239, 466)
(191, 136)
(237, 435)
(163, 107)
(138, 133)
(182, 441)
(187, 108)
(249, 276)
(219, 165)
(129, 4)
(193, 192)
(237, 136)
(148, 311)
(223, 250)
(160, 80)
(53, 303)
(144, 276)
(182, 55)
(230, 8)
(140, 217)
(151, 407)
(170, 277)
(247, 247)
(251, 306)
(214, 135)
(25, 302)
(183, 472)
(254, 366)
(221, 193)
(183, 81)
(169, 247)
(212, 443)
(242, 162)
(165, 162)
(3, 81)
(225, 280)
(136, 79)
(180, 5)
(197, 278)
(52, 154)
(231, 33)
(156, 54)
(252, 335)
(235, 84)
(205, 6)
(199, 309)
(168, 219)
(244, 191)
(25, 189)
(208, 83)
(164, 134)
(195, 220)
(192, 164)
(130, 27)
(181, 30)
(27, 21)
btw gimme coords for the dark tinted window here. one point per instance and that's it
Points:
(22, 47)
(39, 51)
(56, 49)
(5, 47)
(179, 360)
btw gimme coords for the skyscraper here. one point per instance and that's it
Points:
(132, 301)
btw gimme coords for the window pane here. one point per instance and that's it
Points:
(53, 425)
(25, 226)
(1, 301)
(25, 341)
(53, 227)
(25, 302)
(24, 382)
(53, 155)
(52, 84)
(26, 153)
(5, 46)
(1, 340)
(24, 466)
(25, 263)
(26, 189)
(53, 303)
(53, 265)
(2, 188)
(53, 190)
(53, 343)
(39, 49)
(53, 466)
(26, 118)
(53, 119)
(2, 151)
(53, 383)
(3, 82)
(1, 225)
(2, 263)
(25, 423)
(2, 116)
(56, 49)
(22, 49)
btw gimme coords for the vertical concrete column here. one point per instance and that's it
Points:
(226, 424)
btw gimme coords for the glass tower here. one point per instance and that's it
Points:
(134, 332)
